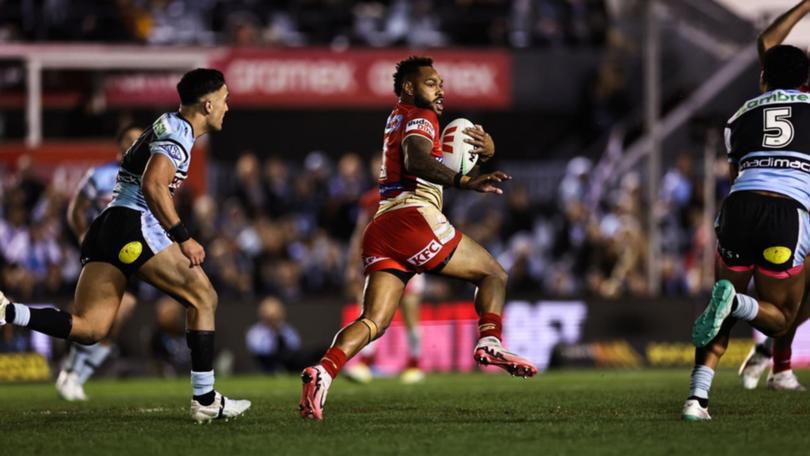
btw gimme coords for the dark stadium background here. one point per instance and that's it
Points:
(579, 225)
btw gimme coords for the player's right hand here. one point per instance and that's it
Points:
(194, 252)
(484, 183)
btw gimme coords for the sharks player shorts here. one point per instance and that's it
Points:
(769, 233)
(124, 238)
(411, 240)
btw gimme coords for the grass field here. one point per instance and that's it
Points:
(570, 412)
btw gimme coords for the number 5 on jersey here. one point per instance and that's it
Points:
(778, 129)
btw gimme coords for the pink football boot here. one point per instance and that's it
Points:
(489, 351)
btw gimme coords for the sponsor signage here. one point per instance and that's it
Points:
(555, 334)
(313, 78)
(450, 331)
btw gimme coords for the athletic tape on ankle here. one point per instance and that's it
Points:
(22, 315)
(701, 383)
(202, 382)
(747, 308)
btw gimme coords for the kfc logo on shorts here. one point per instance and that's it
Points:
(368, 261)
(420, 125)
(426, 254)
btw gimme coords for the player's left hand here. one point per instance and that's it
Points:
(485, 183)
(484, 145)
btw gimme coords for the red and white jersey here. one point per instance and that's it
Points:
(399, 189)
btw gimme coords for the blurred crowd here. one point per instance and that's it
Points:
(283, 228)
(422, 23)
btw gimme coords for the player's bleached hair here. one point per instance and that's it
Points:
(785, 67)
(197, 83)
(408, 67)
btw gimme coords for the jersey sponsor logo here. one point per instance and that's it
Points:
(421, 125)
(777, 255)
(161, 128)
(776, 163)
(776, 96)
(126, 178)
(368, 261)
(174, 151)
(393, 123)
(130, 252)
(426, 254)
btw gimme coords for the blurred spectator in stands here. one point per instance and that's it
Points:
(617, 265)
(29, 185)
(168, 344)
(574, 184)
(274, 344)
(280, 276)
(520, 212)
(249, 187)
(536, 22)
(673, 207)
(179, 22)
(14, 339)
(477, 22)
(524, 264)
(585, 22)
(15, 237)
(605, 100)
(243, 29)
(345, 188)
(323, 21)
(43, 259)
(278, 189)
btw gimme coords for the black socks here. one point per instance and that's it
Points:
(201, 344)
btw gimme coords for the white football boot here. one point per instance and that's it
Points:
(222, 408)
(752, 368)
(359, 372)
(3, 303)
(693, 411)
(69, 387)
(316, 382)
(784, 381)
(412, 375)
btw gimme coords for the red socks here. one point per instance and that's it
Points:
(490, 325)
(413, 363)
(333, 361)
(781, 357)
(368, 360)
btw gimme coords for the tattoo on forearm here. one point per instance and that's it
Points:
(422, 164)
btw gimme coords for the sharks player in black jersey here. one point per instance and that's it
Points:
(140, 233)
(763, 229)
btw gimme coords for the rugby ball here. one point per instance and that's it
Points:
(457, 154)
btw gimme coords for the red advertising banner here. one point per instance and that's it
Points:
(321, 78)
(66, 162)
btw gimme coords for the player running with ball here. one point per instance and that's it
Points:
(409, 234)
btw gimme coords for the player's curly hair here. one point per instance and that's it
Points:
(408, 67)
(785, 67)
(196, 83)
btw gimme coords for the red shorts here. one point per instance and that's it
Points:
(412, 239)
